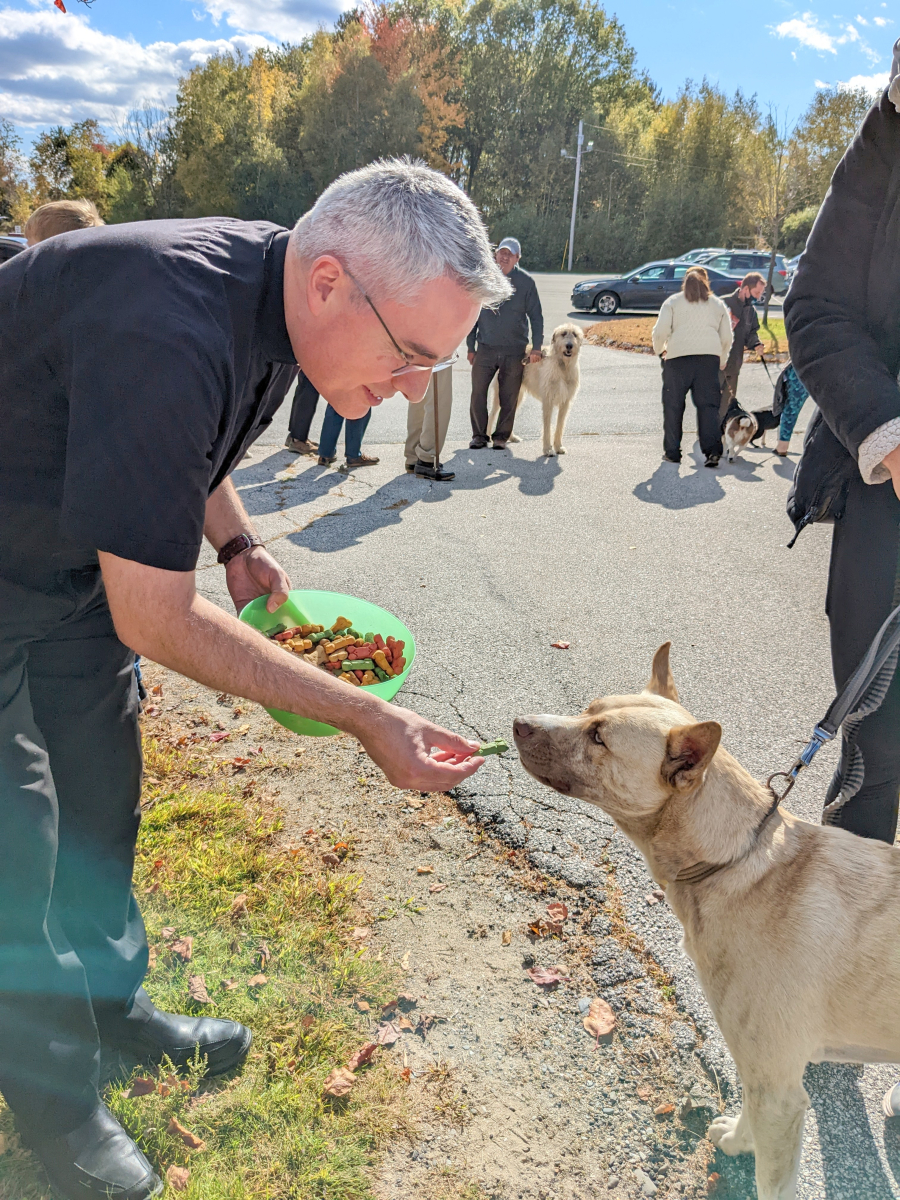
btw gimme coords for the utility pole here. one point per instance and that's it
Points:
(577, 156)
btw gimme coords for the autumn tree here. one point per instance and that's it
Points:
(70, 163)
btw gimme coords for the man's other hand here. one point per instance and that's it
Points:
(535, 356)
(415, 754)
(471, 357)
(892, 462)
(255, 573)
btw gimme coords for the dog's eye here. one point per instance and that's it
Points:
(598, 739)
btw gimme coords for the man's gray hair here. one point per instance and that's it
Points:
(396, 225)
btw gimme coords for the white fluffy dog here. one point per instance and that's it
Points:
(554, 381)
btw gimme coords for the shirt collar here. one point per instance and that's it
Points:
(272, 335)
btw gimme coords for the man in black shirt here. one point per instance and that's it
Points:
(497, 344)
(137, 364)
(745, 328)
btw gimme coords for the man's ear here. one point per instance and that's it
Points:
(662, 682)
(689, 751)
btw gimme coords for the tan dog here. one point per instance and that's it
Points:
(554, 381)
(793, 927)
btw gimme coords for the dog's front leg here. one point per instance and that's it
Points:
(775, 1114)
(548, 417)
(561, 428)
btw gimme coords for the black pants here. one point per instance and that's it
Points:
(72, 944)
(303, 409)
(506, 363)
(699, 375)
(863, 587)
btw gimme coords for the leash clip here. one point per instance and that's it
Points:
(819, 737)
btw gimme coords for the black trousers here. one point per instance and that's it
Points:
(506, 363)
(863, 588)
(303, 409)
(699, 375)
(72, 944)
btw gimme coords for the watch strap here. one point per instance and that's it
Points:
(237, 545)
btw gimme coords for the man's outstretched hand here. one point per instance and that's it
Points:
(256, 573)
(415, 754)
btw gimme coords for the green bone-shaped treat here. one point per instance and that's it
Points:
(357, 664)
(497, 746)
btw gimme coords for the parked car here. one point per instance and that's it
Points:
(647, 287)
(739, 262)
(10, 245)
(693, 256)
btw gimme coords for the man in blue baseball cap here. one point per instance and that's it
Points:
(497, 347)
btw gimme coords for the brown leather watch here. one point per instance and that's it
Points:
(237, 545)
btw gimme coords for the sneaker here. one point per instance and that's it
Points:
(324, 462)
(891, 1102)
(478, 444)
(297, 446)
(426, 470)
(712, 460)
(499, 445)
(364, 460)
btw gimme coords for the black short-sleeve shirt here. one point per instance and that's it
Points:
(137, 364)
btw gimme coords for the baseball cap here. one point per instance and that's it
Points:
(511, 245)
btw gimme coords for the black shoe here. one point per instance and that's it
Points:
(96, 1159)
(478, 444)
(499, 445)
(149, 1035)
(712, 460)
(667, 458)
(428, 471)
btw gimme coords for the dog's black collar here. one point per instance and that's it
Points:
(703, 870)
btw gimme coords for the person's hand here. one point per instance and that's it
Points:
(892, 462)
(535, 356)
(760, 349)
(471, 357)
(415, 754)
(255, 573)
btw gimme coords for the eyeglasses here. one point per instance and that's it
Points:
(410, 367)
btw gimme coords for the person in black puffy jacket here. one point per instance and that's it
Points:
(843, 322)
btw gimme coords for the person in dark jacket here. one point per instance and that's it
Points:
(843, 322)
(497, 347)
(745, 330)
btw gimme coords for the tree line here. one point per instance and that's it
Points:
(488, 91)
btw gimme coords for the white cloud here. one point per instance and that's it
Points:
(882, 21)
(55, 69)
(806, 31)
(871, 83)
(861, 20)
(282, 20)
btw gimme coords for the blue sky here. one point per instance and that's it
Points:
(118, 54)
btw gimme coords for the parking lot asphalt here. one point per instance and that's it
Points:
(615, 552)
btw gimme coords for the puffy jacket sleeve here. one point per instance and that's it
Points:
(837, 347)
(662, 330)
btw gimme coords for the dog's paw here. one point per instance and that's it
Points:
(549, 452)
(513, 437)
(731, 1135)
(560, 449)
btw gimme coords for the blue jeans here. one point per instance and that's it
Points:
(353, 435)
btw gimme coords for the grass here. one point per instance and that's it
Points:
(267, 1132)
(773, 335)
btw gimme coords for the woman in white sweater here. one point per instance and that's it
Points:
(692, 336)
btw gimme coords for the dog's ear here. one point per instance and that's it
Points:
(662, 682)
(689, 751)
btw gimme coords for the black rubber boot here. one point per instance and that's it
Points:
(96, 1159)
(148, 1035)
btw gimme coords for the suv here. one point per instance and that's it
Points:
(10, 246)
(693, 256)
(739, 262)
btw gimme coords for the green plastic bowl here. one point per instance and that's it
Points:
(324, 608)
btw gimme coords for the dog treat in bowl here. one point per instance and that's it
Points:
(357, 659)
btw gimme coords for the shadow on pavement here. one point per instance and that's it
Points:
(670, 489)
(850, 1161)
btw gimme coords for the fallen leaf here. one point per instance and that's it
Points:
(547, 976)
(712, 1183)
(183, 948)
(360, 933)
(560, 645)
(140, 1087)
(341, 849)
(151, 710)
(177, 1178)
(388, 1008)
(505, 937)
(424, 870)
(407, 1000)
(151, 955)
(361, 1056)
(331, 860)
(362, 1005)
(663, 1110)
(417, 803)
(190, 1139)
(557, 911)
(437, 887)
(307, 1022)
(157, 689)
(339, 1082)
(197, 989)
(404, 961)
(406, 1074)
(405, 1025)
(167, 933)
(262, 955)
(542, 929)
(257, 981)
(218, 737)
(600, 1019)
(241, 762)
(387, 1034)
(238, 906)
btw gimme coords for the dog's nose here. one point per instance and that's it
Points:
(521, 728)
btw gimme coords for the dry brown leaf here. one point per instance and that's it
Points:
(177, 1178)
(547, 976)
(424, 870)
(257, 981)
(331, 860)
(151, 958)
(600, 1019)
(362, 1005)
(712, 1183)
(387, 1034)
(183, 948)
(307, 1022)
(189, 1139)
(238, 907)
(361, 1056)
(157, 689)
(417, 803)
(360, 933)
(140, 1087)
(406, 1074)
(167, 933)
(663, 1110)
(404, 1024)
(339, 1082)
(197, 989)
(262, 956)
(505, 937)
(437, 887)
(557, 911)
(229, 985)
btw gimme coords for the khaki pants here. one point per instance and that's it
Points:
(420, 419)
